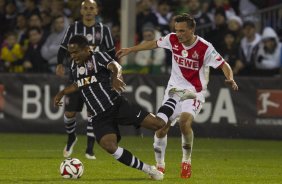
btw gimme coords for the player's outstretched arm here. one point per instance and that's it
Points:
(68, 90)
(117, 82)
(147, 45)
(229, 76)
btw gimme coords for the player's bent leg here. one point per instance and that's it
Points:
(109, 143)
(153, 122)
(70, 125)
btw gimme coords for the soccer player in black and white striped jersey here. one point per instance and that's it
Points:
(98, 78)
(99, 37)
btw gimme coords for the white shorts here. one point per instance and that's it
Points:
(191, 106)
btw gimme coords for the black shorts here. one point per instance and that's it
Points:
(121, 113)
(74, 102)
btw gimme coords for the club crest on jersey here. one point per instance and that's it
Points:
(195, 55)
(98, 36)
(81, 70)
(184, 53)
(89, 37)
(89, 65)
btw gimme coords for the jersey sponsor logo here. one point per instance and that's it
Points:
(186, 63)
(269, 103)
(89, 65)
(86, 81)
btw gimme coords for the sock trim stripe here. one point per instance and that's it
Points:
(171, 107)
(90, 134)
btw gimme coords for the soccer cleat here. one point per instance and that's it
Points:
(90, 156)
(155, 174)
(183, 94)
(162, 169)
(186, 171)
(69, 148)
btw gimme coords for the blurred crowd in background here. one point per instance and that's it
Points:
(31, 32)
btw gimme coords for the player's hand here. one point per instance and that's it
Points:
(232, 84)
(60, 70)
(118, 84)
(57, 99)
(123, 52)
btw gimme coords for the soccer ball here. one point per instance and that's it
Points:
(71, 168)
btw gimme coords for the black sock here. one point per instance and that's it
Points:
(125, 157)
(167, 109)
(90, 139)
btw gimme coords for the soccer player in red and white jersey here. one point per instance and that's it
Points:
(191, 58)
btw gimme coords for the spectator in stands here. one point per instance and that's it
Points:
(30, 8)
(11, 15)
(35, 20)
(230, 51)
(21, 30)
(164, 15)
(51, 46)
(2, 19)
(216, 35)
(246, 9)
(11, 54)
(44, 5)
(234, 24)
(200, 17)
(268, 57)
(46, 21)
(150, 61)
(223, 4)
(58, 7)
(33, 60)
(248, 43)
(145, 15)
(116, 35)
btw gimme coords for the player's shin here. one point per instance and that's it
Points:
(89, 153)
(70, 126)
(160, 144)
(187, 144)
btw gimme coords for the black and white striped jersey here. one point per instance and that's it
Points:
(94, 82)
(98, 36)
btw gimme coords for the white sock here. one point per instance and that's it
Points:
(187, 142)
(159, 148)
(146, 168)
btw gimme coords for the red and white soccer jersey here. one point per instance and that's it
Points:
(190, 65)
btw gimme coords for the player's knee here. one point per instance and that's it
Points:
(70, 114)
(109, 146)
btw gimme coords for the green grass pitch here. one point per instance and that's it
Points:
(34, 158)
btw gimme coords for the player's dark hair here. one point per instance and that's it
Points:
(80, 40)
(185, 17)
